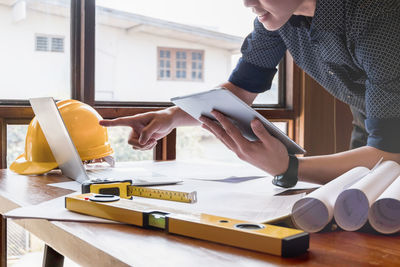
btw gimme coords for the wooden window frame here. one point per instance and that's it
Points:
(173, 67)
(83, 89)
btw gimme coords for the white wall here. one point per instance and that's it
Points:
(23, 71)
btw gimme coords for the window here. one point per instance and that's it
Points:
(197, 65)
(197, 143)
(49, 44)
(132, 40)
(125, 58)
(180, 64)
(164, 64)
(42, 43)
(57, 44)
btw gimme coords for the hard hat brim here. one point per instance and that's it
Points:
(22, 166)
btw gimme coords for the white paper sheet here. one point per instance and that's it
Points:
(202, 169)
(250, 201)
(53, 210)
(313, 212)
(384, 214)
(183, 170)
(254, 202)
(352, 205)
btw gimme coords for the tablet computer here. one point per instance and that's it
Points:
(239, 112)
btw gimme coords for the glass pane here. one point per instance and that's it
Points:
(57, 44)
(42, 43)
(35, 50)
(130, 34)
(118, 137)
(197, 143)
(15, 141)
(271, 96)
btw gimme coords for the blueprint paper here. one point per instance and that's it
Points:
(384, 214)
(352, 205)
(313, 212)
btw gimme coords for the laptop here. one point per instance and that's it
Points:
(68, 159)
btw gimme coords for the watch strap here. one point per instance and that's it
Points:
(289, 178)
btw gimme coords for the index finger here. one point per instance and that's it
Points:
(122, 121)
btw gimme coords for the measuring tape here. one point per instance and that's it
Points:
(125, 189)
(266, 238)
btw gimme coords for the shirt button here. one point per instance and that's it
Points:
(330, 72)
(349, 96)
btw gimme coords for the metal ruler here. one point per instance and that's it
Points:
(125, 189)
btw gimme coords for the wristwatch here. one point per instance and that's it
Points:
(288, 178)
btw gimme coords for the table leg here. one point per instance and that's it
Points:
(3, 241)
(52, 258)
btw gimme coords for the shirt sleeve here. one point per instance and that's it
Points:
(262, 51)
(378, 52)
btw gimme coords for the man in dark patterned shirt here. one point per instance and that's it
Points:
(351, 47)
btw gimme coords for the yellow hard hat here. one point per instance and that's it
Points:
(82, 122)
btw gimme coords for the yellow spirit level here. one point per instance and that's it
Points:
(264, 238)
(125, 189)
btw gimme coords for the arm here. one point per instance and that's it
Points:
(149, 127)
(322, 169)
(379, 60)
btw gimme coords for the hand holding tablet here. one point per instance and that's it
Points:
(238, 111)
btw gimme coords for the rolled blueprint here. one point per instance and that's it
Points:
(384, 214)
(313, 212)
(352, 205)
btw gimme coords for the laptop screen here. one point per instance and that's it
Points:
(58, 138)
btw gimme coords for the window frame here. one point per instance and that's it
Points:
(83, 89)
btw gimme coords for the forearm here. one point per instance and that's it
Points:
(322, 169)
(246, 96)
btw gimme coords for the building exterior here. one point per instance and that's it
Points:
(138, 58)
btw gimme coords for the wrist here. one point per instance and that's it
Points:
(180, 118)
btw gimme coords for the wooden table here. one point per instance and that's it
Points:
(121, 245)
